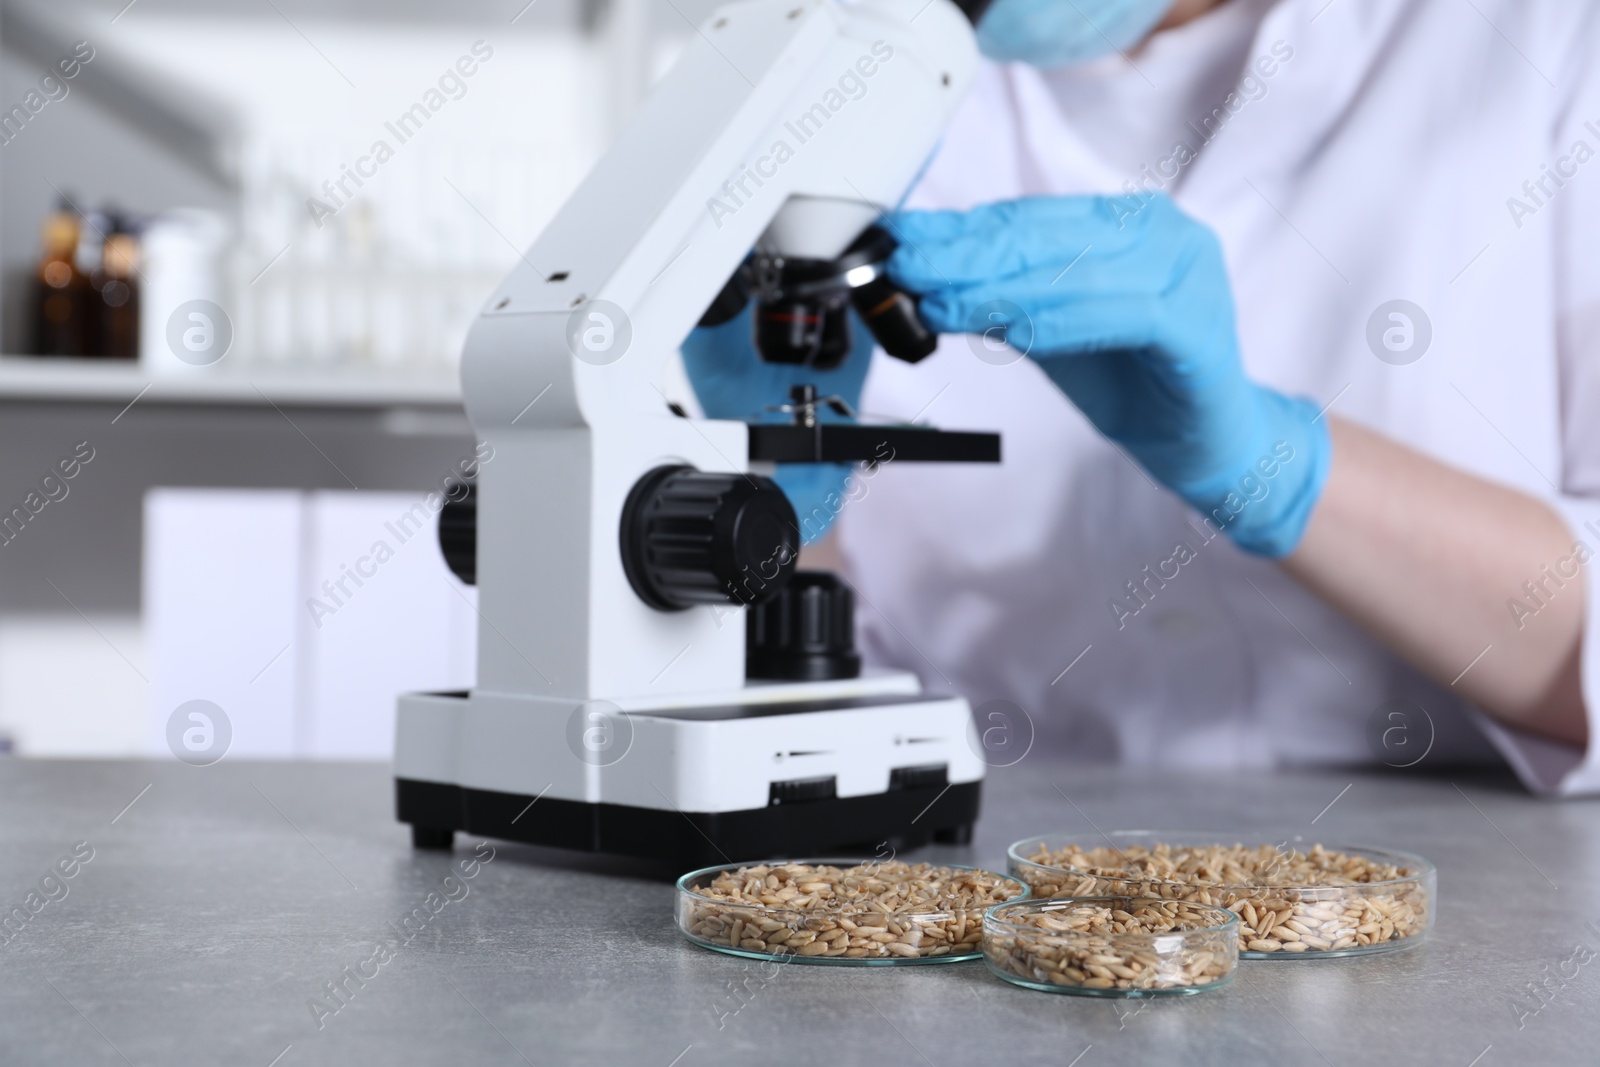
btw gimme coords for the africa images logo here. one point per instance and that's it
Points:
(199, 733)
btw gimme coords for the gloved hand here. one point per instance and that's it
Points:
(732, 382)
(1131, 316)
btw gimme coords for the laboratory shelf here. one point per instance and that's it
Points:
(56, 380)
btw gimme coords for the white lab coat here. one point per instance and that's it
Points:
(1377, 166)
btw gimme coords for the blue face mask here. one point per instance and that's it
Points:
(1059, 33)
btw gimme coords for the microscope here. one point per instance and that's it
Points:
(655, 676)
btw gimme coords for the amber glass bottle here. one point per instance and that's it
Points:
(63, 311)
(116, 283)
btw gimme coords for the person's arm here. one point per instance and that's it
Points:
(1125, 304)
(1427, 558)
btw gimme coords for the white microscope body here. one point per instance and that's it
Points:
(600, 722)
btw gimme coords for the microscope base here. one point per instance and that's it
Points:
(902, 819)
(768, 770)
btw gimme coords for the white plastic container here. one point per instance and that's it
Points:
(184, 322)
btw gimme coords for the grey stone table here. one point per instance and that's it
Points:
(220, 901)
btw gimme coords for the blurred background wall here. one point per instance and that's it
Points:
(216, 140)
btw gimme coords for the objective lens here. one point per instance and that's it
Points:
(892, 317)
(789, 331)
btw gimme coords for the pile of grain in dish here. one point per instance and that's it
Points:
(1087, 945)
(1286, 900)
(873, 910)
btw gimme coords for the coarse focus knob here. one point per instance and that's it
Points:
(697, 537)
(458, 534)
(805, 633)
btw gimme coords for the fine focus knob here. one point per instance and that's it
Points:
(458, 534)
(696, 537)
(805, 633)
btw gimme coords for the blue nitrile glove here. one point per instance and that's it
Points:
(732, 382)
(1130, 314)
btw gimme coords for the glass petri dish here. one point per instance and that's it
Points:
(1112, 946)
(1293, 900)
(858, 932)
